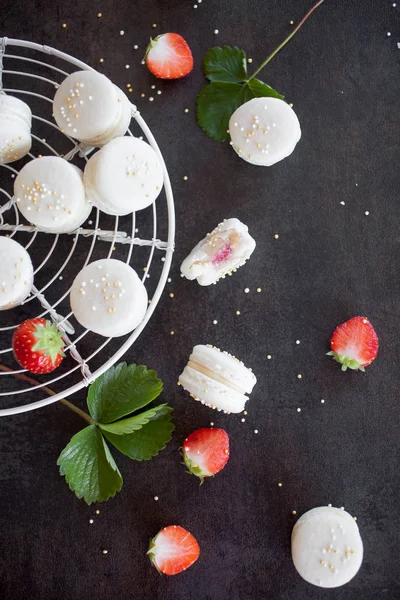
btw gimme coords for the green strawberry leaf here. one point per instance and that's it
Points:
(121, 390)
(225, 64)
(89, 468)
(217, 102)
(146, 442)
(215, 105)
(132, 423)
(261, 89)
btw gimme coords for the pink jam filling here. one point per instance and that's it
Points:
(224, 252)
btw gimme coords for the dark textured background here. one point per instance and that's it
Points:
(330, 262)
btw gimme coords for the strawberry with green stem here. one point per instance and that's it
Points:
(206, 452)
(38, 345)
(173, 550)
(168, 56)
(354, 344)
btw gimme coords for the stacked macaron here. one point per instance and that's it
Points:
(217, 379)
(89, 107)
(124, 176)
(49, 193)
(16, 273)
(108, 298)
(15, 129)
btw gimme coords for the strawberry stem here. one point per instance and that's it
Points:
(50, 392)
(289, 37)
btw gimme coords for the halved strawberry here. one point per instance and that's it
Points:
(173, 550)
(169, 57)
(354, 344)
(206, 452)
(38, 345)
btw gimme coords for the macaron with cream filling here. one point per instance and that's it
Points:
(220, 253)
(217, 379)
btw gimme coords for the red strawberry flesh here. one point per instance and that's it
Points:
(354, 344)
(168, 56)
(173, 550)
(206, 451)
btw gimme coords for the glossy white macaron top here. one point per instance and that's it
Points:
(49, 193)
(222, 251)
(124, 176)
(327, 549)
(264, 131)
(86, 105)
(108, 298)
(16, 273)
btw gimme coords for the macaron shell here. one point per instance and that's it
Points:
(126, 114)
(210, 392)
(124, 176)
(264, 131)
(226, 366)
(120, 124)
(327, 549)
(50, 193)
(86, 105)
(15, 108)
(16, 273)
(108, 298)
(15, 140)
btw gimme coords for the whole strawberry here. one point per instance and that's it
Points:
(38, 346)
(354, 344)
(206, 452)
(169, 57)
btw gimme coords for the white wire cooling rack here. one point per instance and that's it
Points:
(32, 72)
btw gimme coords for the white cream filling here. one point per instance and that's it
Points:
(212, 375)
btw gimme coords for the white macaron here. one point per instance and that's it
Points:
(217, 379)
(108, 298)
(222, 252)
(327, 549)
(49, 193)
(264, 131)
(16, 273)
(15, 129)
(124, 176)
(89, 107)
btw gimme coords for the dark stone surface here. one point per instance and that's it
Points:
(330, 262)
